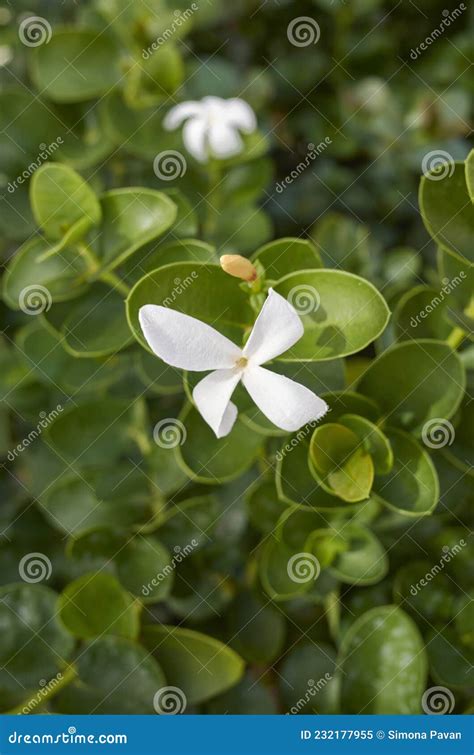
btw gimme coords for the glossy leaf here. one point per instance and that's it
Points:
(287, 256)
(447, 211)
(341, 313)
(76, 65)
(385, 639)
(411, 487)
(341, 464)
(114, 677)
(64, 206)
(96, 604)
(131, 218)
(414, 382)
(199, 665)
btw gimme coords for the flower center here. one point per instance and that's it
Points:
(242, 362)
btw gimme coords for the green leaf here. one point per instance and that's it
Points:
(383, 664)
(447, 210)
(199, 665)
(114, 677)
(263, 506)
(22, 144)
(57, 368)
(422, 596)
(342, 465)
(76, 65)
(341, 313)
(451, 661)
(31, 279)
(411, 487)
(278, 565)
(183, 250)
(131, 218)
(206, 458)
(97, 432)
(295, 483)
(241, 229)
(249, 697)
(279, 258)
(257, 630)
(421, 313)
(414, 382)
(142, 565)
(96, 604)
(342, 242)
(373, 440)
(362, 559)
(465, 620)
(64, 206)
(202, 291)
(459, 442)
(157, 376)
(74, 505)
(469, 169)
(190, 521)
(35, 645)
(95, 324)
(308, 679)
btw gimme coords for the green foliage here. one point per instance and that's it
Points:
(323, 571)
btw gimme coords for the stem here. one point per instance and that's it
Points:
(456, 337)
(213, 208)
(114, 281)
(93, 266)
(86, 252)
(45, 694)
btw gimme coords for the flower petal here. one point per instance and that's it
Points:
(224, 140)
(185, 342)
(287, 404)
(179, 113)
(212, 398)
(277, 327)
(194, 138)
(240, 114)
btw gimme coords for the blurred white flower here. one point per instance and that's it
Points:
(190, 344)
(212, 126)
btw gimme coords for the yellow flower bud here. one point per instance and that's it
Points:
(239, 267)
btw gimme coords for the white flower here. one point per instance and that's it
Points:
(190, 344)
(212, 126)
